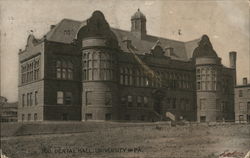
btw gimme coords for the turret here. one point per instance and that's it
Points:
(99, 46)
(208, 68)
(138, 24)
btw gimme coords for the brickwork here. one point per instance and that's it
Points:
(242, 103)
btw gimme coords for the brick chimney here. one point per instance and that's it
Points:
(232, 59)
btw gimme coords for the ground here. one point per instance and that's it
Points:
(123, 140)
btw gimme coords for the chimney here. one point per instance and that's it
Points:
(232, 59)
(244, 81)
(52, 26)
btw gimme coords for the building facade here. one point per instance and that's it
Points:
(242, 102)
(90, 71)
(8, 111)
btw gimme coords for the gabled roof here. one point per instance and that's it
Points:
(205, 48)
(66, 31)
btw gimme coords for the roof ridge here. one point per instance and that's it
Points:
(72, 20)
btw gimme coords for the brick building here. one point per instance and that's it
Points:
(8, 112)
(242, 102)
(87, 70)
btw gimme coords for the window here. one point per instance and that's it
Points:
(123, 100)
(241, 118)
(108, 116)
(108, 98)
(23, 117)
(35, 116)
(29, 70)
(202, 104)
(130, 101)
(145, 101)
(36, 99)
(88, 116)
(31, 101)
(29, 117)
(212, 86)
(240, 93)
(174, 103)
(203, 86)
(146, 82)
(88, 98)
(198, 85)
(58, 69)
(23, 100)
(59, 97)
(242, 107)
(70, 70)
(139, 100)
(28, 98)
(85, 75)
(64, 69)
(68, 98)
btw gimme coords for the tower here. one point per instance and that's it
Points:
(138, 24)
(98, 46)
(232, 62)
(208, 70)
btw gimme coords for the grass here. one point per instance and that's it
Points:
(149, 140)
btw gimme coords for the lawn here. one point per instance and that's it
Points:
(122, 140)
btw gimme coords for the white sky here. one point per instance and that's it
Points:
(226, 22)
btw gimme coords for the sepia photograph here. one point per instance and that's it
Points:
(125, 78)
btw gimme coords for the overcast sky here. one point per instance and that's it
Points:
(226, 22)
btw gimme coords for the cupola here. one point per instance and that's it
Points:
(138, 24)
